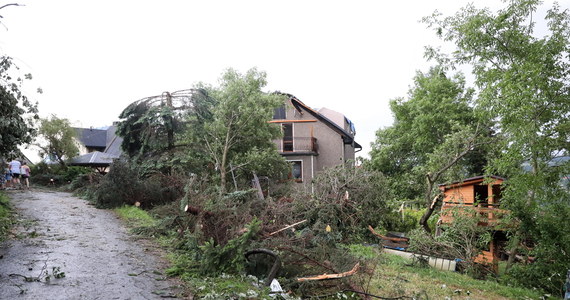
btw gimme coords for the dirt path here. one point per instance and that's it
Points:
(99, 258)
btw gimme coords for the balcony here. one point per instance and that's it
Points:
(297, 145)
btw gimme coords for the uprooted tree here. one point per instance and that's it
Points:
(153, 127)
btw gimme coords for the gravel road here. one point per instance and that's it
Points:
(57, 233)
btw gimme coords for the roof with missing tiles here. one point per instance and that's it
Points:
(348, 137)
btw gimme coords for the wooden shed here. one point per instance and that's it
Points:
(483, 194)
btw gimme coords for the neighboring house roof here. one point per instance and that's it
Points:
(347, 137)
(92, 137)
(93, 159)
(102, 138)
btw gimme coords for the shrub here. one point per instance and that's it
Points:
(123, 186)
(461, 239)
(43, 173)
(347, 199)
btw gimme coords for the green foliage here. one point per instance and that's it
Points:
(124, 185)
(135, 216)
(59, 138)
(209, 131)
(437, 106)
(17, 112)
(238, 137)
(524, 85)
(6, 219)
(408, 220)
(348, 199)
(463, 238)
(152, 130)
(229, 287)
(228, 258)
(360, 251)
(195, 259)
(42, 173)
(396, 277)
(551, 248)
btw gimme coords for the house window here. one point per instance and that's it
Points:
(279, 113)
(297, 170)
(287, 137)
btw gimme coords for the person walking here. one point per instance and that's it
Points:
(15, 168)
(6, 176)
(25, 172)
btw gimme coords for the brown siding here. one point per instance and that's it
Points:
(462, 194)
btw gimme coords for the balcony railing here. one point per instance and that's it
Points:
(489, 214)
(297, 144)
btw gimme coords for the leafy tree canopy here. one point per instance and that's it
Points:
(237, 135)
(437, 106)
(524, 84)
(17, 112)
(213, 130)
(59, 139)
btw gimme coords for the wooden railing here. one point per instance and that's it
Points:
(488, 214)
(297, 144)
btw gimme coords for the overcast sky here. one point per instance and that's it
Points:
(93, 58)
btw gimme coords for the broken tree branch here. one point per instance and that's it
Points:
(332, 276)
(387, 238)
(287, 227)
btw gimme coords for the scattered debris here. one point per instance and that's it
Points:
(276, 264)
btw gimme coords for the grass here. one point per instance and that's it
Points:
(6, 218)
(396, 276)
(135, 217)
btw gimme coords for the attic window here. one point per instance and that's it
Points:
(279, 113)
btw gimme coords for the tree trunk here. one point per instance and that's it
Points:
(513, 252)
(223, 171)
(431, 205)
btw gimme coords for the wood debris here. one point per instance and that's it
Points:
(332, 276)
(287, 227)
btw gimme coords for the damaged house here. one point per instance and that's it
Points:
(313, 139)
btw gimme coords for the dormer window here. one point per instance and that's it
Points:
(279, 113)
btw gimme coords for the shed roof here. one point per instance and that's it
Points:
(469, 181)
